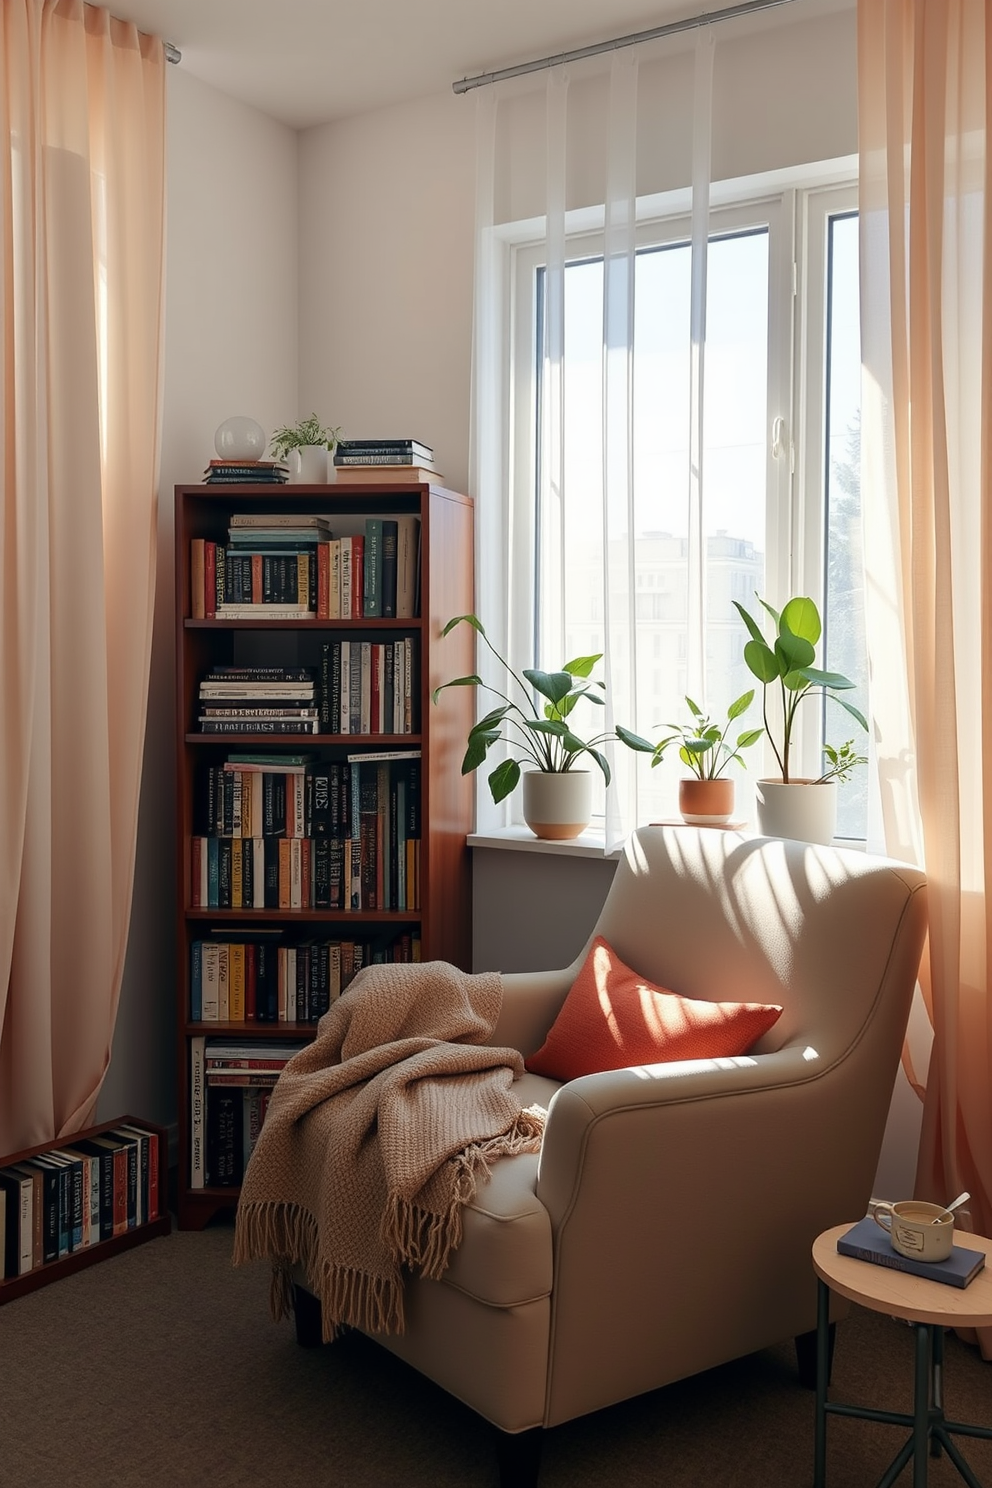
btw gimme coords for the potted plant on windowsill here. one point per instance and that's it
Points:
(537, 724)
(305, 446)
(794, 806)
(706, 796)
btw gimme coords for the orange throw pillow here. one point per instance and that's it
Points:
(613, 1018)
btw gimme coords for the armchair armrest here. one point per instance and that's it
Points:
(668, 1184)
(531, 1002)
(658, 1094)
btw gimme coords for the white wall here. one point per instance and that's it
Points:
(230, 348)
(387, 212)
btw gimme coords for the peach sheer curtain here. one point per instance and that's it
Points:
(82, 188)
(924, 105)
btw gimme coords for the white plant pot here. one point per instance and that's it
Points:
(557, 807)
(308, 465)
(805, 810)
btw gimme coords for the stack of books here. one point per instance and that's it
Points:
(244, 472)
(259, 700)
(378, 460)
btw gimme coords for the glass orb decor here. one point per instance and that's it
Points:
(240, 439)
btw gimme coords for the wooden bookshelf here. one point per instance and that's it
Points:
(160, 1224)
(440, 924)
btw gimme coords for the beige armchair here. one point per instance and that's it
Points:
(666, 1226)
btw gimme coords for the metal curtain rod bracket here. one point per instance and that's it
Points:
(172, 53)
(688, 23)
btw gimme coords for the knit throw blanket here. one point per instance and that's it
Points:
(376, 1135)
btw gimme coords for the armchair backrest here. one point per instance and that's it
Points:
(822, 930)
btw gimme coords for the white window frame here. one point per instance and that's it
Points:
(795, 207)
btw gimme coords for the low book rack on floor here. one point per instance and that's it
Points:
(67, 1204)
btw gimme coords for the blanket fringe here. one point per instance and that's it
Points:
(286, 1235)
(423, 1239)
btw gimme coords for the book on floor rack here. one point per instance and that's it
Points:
(867, 1241)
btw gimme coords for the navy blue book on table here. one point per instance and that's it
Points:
(867, 1241)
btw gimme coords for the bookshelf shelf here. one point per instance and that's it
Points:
(432, 888)
(13, 1286)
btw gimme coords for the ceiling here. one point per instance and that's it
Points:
(309, 61)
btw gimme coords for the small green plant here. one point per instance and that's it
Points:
(307, 432)
(703, 744)
(841, 760)
(539, 725)
(788, 663)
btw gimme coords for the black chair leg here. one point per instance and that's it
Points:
(518, 1455)
(309, 1325)
(806, 1356)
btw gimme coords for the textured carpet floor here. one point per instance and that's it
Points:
(161, 1367)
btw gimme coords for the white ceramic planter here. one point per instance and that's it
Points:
(557, 807)
(308, 465)
(804, 809)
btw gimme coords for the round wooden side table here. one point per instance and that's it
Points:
(931, 1306)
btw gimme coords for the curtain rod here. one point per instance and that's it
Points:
(172, 53)
(483, 79)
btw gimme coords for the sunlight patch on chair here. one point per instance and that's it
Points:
(677, 1067)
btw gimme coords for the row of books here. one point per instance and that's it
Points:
(225, 1122)
(316, 799)
(375, 871)
(344, 837)
(358, 687)
(75, 1195)
(283, 572)
(261, 981)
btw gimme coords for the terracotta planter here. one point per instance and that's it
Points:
(557, 807)
(805, 810)
(706, 803)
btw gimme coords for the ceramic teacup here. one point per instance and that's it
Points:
(911, 1227)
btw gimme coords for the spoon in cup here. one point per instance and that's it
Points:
(950, 1208)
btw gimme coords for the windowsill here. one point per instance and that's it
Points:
(591, 843)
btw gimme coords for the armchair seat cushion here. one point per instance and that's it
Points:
(505, 1257)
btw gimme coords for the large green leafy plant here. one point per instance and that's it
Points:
(787, 666)
(534, 717)
(703, 744)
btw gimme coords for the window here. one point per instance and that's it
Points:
(780, 510)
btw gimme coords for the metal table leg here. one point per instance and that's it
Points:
(822, 1370)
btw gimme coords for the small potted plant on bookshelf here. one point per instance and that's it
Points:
(794, 806)
(305, 447)
(537, 723)
(706, 796)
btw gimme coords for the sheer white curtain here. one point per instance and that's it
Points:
(582, 130)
